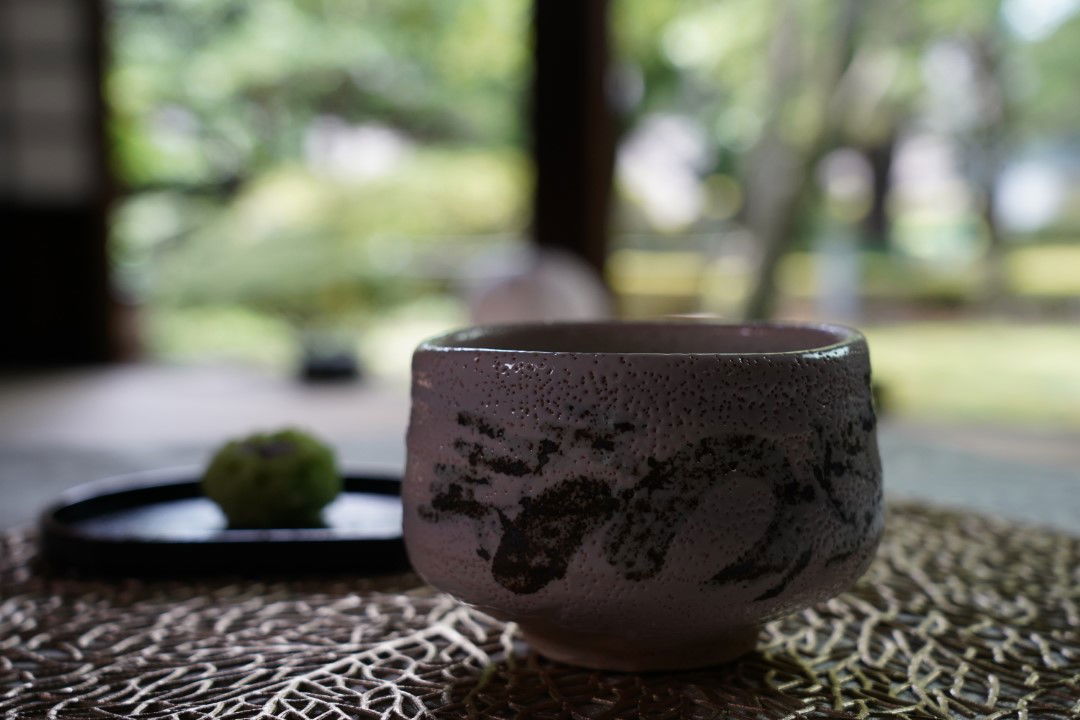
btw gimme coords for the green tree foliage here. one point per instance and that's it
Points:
(245, 79)
(776, 84)
(213, 109)
(214, 103)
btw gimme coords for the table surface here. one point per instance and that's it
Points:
(961, 615)
(958, 617)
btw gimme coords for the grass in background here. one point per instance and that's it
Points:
(980, 372)
(218, 334)
(236, 335)
(967, 372)
(650, 282)
(1045, 270)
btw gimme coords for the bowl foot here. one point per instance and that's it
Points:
(606, 652)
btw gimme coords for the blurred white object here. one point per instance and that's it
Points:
(847, 179)
(1032, 195)
(551, 285)
(353, 152)
(1034, 20)
(659, 165)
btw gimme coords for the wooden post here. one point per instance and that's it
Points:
(573, 136)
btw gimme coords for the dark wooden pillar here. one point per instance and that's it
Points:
(573, 137)
(54, 188)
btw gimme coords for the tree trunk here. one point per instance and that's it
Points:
(773, 180)
(988, 157)
(777, 186)
(995, 281)
(780, 173)
(877, 226)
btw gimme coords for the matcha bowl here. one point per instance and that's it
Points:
(642, 496)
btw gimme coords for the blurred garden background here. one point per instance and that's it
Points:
(294, 173)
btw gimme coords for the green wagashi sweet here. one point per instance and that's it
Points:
(280, 479)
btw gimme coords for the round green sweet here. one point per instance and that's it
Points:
(281, 479)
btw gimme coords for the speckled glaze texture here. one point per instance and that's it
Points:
(642, 496)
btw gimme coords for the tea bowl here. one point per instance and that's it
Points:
(642, 496)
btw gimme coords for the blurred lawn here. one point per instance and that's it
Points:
(644, 277)
(982, 372)
(218, 334)
(229, 334)
(1046, 270)
(962, 370)
(972, 372)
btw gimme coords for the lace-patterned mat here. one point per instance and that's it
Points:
(960, 616)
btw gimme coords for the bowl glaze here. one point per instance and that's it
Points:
(642, 496)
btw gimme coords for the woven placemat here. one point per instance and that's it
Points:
(960, 616)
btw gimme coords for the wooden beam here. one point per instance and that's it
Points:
(573, 135)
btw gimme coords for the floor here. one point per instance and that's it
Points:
(58, 430)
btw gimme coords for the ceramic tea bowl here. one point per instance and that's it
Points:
(642, 496)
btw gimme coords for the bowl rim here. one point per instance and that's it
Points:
(465, 339)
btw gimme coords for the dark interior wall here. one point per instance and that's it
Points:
(52, 286)
(54, 184)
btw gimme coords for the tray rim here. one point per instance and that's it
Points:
(66, 545)
(185, 475)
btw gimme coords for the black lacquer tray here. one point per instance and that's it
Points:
(159, 523)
